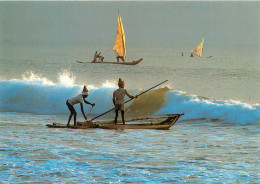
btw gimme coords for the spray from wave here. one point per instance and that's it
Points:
(36, 94)
(202, 108)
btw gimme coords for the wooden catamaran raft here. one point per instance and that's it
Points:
(156, 122)
(119, 48)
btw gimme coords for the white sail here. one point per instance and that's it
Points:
(199, 49)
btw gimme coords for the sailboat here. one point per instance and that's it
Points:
(199, 49)
(119, 48)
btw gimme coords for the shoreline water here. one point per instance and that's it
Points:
(224, 153)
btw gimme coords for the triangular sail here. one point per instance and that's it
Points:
(119, 46)
(199, 49)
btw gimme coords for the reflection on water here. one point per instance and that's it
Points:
(194, 152)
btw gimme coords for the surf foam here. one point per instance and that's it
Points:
(196, 108)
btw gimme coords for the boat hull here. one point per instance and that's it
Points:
(141, 123)
(117, 63)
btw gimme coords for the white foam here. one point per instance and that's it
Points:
(66, 78)
(30, 76)
(196, 108)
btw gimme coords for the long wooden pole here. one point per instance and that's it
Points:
(129, 100)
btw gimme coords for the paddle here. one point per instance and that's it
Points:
(86, 120)
(129, 100)
(89, 112)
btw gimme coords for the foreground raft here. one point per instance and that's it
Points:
(161, 123)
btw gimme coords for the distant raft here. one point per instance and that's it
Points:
(119, 47)
(160, 123)
(120, 63)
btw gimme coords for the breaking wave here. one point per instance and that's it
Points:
(36, 94)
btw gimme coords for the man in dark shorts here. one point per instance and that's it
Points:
(75, 100)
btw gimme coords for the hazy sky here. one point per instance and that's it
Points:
(144, 22)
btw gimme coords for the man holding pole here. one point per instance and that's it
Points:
(128, 100)
(119, 99)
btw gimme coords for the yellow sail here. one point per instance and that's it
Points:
(199, 49)
(119, 46)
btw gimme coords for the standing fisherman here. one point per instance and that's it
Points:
(119, 99)
(75, 100)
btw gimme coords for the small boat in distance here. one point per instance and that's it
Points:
(198, 50)
(119, 48)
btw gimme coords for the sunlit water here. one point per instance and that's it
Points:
(190, 152)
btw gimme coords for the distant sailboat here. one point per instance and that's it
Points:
(119, 48)
(199, 49)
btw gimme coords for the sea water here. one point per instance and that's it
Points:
(217, 139)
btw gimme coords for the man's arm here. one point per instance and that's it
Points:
(114, 98)
(88, 102)
(82, 110)
(130, 96)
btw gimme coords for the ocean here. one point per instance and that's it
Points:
(217, 139)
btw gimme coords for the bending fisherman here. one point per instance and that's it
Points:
(75, 100)
(98, 56)
(119, 99)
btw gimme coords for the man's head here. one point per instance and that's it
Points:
(85, 92)
(121, 83)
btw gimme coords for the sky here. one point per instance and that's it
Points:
(232, 23)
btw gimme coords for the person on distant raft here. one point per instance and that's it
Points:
(98, 56)
(119, 99)
(120, 57)
(191, 54)
(95, 57)
(75, 100)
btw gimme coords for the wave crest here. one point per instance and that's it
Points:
(35, 94)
